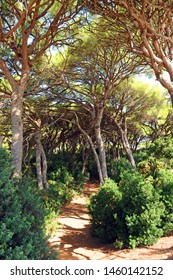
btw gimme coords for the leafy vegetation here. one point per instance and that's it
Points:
(74, 107)
(138, 209)
(22, 233)
(102, 208)
(133, 220)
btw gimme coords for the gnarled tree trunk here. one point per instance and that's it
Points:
(38, 165)
(100, 142)
(125, 142)
(44, 168)
(41, 163)
(85, 156)
(18, 89)
(93, 149)
(17, 130)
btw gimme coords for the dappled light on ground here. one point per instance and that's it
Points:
(75, 242)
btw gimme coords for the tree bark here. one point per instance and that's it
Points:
(125, 142)
(93, 149)
(84, 160)
(96, 158)
(100, 142)
(38, 166)
(44, 168)
(41, 164)
(18, 89)
(17, 130)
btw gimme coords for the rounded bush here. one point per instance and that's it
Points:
(129, 214)
(102, 209)
(142, 210)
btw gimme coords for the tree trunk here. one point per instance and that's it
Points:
(128, 151)
(18, 89)
(38, 166)
(100, 142)
(96, 157)
(44, 168)
(93, 149)
(17, 130)
(41, 164)
(84, 160)
(126, 145)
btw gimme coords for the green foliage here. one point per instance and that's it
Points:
(142, 210)
(129, 214)
(162, 149)
(102, 208)
(141, 155)
(159, 166)
(91, 167)
(116, 167)
(65, 167)
(150, 166)
(22, 214)
(164, 186)
(56, 195)
(62, 175)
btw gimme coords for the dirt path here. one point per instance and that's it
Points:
(75, 242)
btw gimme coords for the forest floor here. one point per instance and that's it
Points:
(74, 241)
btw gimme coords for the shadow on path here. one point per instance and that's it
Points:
(75, 242)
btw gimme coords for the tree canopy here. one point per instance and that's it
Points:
(71, 64)
(148, 28)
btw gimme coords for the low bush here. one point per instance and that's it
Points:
(129, 214)
(102, 208)
(142, 210)
(56, 195)
(164, 186)
(91, 168)
(22, 217)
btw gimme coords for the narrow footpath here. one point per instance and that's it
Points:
(74, 241)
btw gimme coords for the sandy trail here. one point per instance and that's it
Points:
(75, 242)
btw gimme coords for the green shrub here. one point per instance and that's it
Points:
(22, 215)
(129, 215)
(162, 147)
(56, 195)
(62, 175)
(141, 155)
(150, 166)
(142, 210)
(102, 209)
(116, 167)
(164, 186)
(161, 150)
(65, 166)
